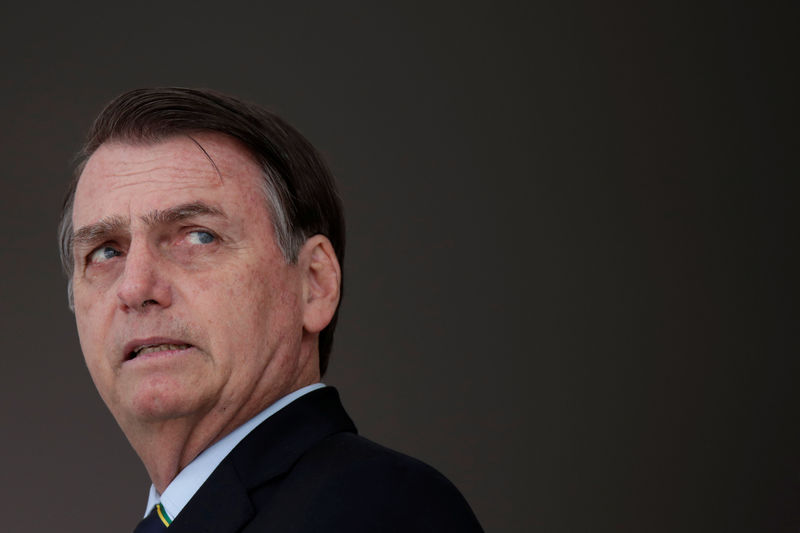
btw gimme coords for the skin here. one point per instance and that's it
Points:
(171, 250)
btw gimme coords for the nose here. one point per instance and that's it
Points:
(143, 285)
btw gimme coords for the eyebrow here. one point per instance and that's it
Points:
(114, 225)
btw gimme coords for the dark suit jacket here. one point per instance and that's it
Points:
(305, 469)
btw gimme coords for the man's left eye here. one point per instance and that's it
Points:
(201, 237)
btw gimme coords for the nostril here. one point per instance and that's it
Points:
(148, 302)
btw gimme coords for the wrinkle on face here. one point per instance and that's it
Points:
(156, 175)
(241, 303)
(160, 167)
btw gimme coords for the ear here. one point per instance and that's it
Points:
(321, 278)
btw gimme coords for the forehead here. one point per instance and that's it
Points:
(129, 179)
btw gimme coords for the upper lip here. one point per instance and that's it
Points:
(137, 344)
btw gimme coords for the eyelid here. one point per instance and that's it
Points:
(88, 258)
(215, 236)
(93, 248)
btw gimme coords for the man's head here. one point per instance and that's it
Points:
(202, 237)
(298, 188)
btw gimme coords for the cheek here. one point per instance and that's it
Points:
(217, 302)
(87, 324)
(270, 297)
(92, 346)
(259, 284)
(93, 328)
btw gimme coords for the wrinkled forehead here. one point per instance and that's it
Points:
(123, 178)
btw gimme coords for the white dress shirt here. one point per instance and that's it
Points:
(188, 481)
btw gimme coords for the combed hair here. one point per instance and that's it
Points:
(298, 187)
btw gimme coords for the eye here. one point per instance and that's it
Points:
(103, 254)
(201, 237)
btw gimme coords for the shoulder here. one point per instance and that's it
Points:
(350, 483)
(354, 462)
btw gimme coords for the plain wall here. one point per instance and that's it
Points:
(570, 268)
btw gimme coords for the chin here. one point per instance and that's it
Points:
(161, 402)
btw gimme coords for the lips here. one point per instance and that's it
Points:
(145, 346)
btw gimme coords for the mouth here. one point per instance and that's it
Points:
(137, 349)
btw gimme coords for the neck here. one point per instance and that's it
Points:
(167, 446)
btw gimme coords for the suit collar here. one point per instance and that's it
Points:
(222, 504)
(273, 447)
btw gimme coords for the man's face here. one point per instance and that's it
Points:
(184, 303)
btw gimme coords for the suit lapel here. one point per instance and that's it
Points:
(222, 504)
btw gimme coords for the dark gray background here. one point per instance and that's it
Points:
(570, 272)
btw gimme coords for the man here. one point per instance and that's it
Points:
(203, 239)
